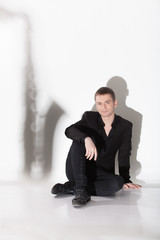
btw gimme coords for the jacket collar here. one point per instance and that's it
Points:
(114, 123)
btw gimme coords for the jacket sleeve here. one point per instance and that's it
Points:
(124, 153)
(78, 130)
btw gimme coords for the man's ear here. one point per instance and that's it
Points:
(115, 103)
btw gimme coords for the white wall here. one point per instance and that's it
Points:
(54, 55)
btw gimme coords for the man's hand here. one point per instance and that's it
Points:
(91, 150)
(131, 185)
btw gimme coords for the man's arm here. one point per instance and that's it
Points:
(125, 152)
(124, 158)
(78, 132)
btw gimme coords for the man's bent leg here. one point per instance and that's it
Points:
(106, 185)
(67, 187)
(76, 165)
(76, 171)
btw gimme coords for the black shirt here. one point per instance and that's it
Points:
(118, 140)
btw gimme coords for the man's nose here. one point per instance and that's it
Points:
(104, 106)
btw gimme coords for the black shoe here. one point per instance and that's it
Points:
(66, 188)
(81, 198)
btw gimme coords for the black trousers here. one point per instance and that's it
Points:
(86, 173)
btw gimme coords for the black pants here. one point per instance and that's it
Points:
(85, 173)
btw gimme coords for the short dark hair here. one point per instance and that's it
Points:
(105, 90)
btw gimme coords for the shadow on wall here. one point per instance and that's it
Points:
(38, 140)
(38, 130)
(52, 117)
(119, 86)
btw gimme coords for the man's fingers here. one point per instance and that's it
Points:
(87, 153)
(132, 185)
(95, 155)
(90, 153)
(137, 186)
(91, 150)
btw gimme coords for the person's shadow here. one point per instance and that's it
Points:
(119, 86)
(51, 119)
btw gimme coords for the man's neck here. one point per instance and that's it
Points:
(108, 120)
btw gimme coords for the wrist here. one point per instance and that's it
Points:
(83, 139)
(87, 139)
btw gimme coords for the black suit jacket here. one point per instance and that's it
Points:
(118, 140)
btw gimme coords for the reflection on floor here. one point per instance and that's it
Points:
(30, 212)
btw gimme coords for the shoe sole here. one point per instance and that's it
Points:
(78, 205)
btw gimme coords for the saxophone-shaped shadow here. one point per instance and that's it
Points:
(52, 117)
(119, 86)
(38, 132)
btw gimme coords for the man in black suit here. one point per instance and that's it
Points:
(90, 165)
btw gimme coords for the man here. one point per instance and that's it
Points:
(90, 165)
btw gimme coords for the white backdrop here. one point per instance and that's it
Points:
(54, 55)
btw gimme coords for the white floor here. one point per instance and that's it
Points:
(28, 211)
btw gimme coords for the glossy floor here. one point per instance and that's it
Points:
(30, 212)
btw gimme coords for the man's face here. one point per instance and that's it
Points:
(105, 105)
